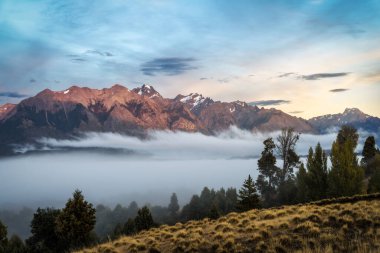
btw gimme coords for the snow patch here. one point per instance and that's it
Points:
(66, 91)
(147, 86)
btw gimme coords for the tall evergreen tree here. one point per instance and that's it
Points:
(374, 181)
(268, 179)
(349, 134)
(345, 177)
(368, 153)
(76, 221)
(248, 197)
(44, 234)
(231, 200)
(317, 173)
(144, 219)
(3, 237)
(173, 205)
(129, 227)
(16, 245)
(214, 213)
(302, 185)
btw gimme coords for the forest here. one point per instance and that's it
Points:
(325, 174)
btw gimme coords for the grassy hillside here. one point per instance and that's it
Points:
(341, 225)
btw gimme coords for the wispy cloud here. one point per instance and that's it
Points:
(286, 74)
(100, 53)
(11, 94)
(167, 66)
(78, 60)
(296, 112)
(227, 79)
(318, 76)
(270, 102)
(339, 90)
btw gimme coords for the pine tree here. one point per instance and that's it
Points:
(248, 197)
(374, 181)
(302, 185)
(129, 227)
(3, 237)
(44, 235)
(214, 213)
(16, 245)
(267, 181)
(317, 173)
(144, 219)
(345, 177)
(231, 200)
(369, 152)
(76, 221)
(173, 207)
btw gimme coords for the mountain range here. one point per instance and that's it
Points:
(68, 113)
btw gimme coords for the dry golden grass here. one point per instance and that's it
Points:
(318, 227)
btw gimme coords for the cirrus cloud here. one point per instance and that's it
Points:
(167, 66)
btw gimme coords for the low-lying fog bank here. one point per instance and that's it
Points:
(111, 168)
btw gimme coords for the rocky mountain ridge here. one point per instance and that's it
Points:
(76, 110)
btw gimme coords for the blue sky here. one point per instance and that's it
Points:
(310, 57)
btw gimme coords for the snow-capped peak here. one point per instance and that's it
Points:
(146, 86)
(147, 90)
(243, 104)
(193, 99)
(352, 111)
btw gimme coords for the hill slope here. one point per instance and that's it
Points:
(353, 225)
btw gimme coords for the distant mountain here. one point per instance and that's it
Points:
(350, 116)
(71, 112)
(4, 109)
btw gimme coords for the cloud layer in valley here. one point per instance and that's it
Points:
(231, 144)
(112, 168)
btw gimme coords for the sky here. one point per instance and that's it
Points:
(307, 58)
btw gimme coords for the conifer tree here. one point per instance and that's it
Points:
(76, 221)
(268, 179)
(317, 173)
(44, 233)
(3, 237)
(173, 205)
(374, 181)
(129, 227)
(144, 219)
(302, 185)
(369, 152)
(248, 197)
(345, 177)
(214, 213)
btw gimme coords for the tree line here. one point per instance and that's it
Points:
(314, 180)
